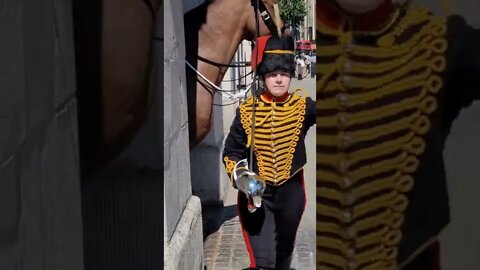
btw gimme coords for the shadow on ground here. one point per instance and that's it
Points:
(214, 216)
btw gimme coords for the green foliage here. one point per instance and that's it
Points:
(293, 11)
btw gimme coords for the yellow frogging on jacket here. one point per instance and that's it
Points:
(277, 129)
(374, 110)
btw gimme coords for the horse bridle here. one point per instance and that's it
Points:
(272, 27)
(265, 15)
(267, 19)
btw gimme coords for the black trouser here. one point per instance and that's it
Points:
(429, 259)
(270, 231)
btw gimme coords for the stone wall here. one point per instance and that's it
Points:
(183, 238)
(40, 219)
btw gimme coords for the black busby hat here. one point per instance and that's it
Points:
(278, 55)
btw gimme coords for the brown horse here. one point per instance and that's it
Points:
(113, 45)
(213, 31)
(113, 40)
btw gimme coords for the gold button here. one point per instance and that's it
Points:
(342, 120)
(351, 233)
(347, 67)
(345, 140)
(346, 182)
(347, 216)
(349, 199)
(343, 166)
(347, 80)
(351, 253)
(343, 100)
(349, 47)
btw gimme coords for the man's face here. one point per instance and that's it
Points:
(277, 83)
(359, 6)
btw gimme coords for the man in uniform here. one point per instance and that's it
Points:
(282, 120)
(391, 78)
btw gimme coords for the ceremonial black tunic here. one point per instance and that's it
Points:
(386, 100)
(279, 132)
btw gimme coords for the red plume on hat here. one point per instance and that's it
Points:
(258, 51)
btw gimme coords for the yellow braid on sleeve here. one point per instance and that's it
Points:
(229, 167)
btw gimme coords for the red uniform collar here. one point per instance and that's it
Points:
(266, 96)
(332, 16)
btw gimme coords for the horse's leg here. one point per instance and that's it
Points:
(199, 94)
(203, 112)
(204, 101)
(112, 40)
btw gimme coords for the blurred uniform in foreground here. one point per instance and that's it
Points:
(391, 78)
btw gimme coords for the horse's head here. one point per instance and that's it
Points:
(270, 22)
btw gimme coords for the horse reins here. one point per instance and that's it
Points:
(267, 19)
(255, 3)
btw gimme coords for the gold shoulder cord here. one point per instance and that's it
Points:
(365, 230)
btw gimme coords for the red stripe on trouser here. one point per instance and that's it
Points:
(436, 256)
(253, 264)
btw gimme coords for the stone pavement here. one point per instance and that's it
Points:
(225, 249)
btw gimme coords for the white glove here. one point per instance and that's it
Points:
(249, 183)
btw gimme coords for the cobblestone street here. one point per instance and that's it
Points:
(225, 249)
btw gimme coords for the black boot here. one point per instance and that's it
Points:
(283, 263)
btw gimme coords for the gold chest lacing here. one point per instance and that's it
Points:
(372, 116)
(277, 130)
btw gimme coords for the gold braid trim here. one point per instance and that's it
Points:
(409, 143)
(434, 26)
(277, 130)
(279, 52)
(355, 219)
(229, 167)
(370, 134)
